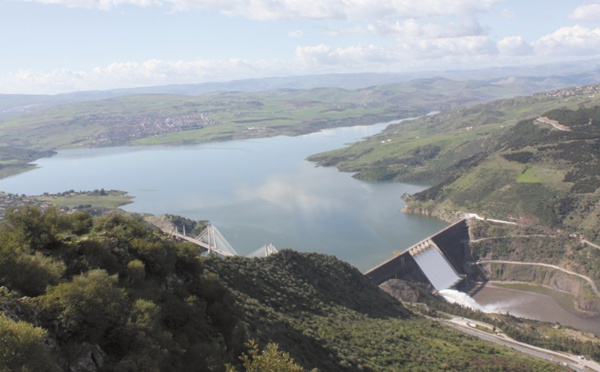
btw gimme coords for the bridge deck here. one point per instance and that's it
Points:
(198, 243)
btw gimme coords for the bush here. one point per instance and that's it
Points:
(22, 347)
(87, 306)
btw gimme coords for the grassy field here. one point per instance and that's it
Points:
(110, 200)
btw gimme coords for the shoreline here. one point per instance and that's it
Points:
(573, 309)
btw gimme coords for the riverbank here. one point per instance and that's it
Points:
(540, 304)
(564, 299)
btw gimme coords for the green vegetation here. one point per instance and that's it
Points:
(93, 200)
(495, 159)
(111, 292)
(31, 132)
(528, 331)
(270, 359)
(22, 347)
(108, 293)
(462, 137)
(541, 245)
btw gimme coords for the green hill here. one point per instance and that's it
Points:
(109, 293)
(31, 126)
(532, 172)
(496, 159)
(531, 160)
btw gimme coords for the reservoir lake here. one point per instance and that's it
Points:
(259, 191)
(255, 191)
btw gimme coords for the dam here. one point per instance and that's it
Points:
(438, 260)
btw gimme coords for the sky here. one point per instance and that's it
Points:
(57, 46)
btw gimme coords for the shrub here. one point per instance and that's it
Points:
(22, 347)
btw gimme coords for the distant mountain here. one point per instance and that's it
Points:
(560, 75)
(535, 78)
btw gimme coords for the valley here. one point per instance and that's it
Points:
(472, 153)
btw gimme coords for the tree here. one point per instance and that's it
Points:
(28, 225)
(270, 360)
(41, 270)
(88, 305)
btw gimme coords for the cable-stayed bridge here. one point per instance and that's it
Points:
(264, 251)
(214, 242)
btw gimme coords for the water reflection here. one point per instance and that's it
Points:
(255, 191)
(292, 194)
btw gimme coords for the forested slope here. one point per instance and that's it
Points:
(109, 293)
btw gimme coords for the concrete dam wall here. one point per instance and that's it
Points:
(437, 260)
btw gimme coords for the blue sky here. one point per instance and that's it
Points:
(53, 46)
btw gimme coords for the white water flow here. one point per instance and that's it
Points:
(463, 299)
(437, 269)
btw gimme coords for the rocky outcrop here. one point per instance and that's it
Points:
(400, 290)
(88, 358)
(430, 210)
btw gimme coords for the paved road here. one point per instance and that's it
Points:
(584, 241)
(572, 361)
(513, 236)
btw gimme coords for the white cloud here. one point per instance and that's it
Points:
(305, 9)
(341, 32)
(296, 33)
(99, 4)
(412, 28)
(414, 53)
(588, 12)
(514, 46)
(570, 41)
(133, 74)
(460, 46)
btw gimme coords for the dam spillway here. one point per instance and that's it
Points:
(442, 265)
(434, 265)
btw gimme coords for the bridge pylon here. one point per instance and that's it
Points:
(264, 251)
(215, 241)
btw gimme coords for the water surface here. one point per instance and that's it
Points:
(536, 306)
(255, 191)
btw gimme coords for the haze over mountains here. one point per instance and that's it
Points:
(528, 79)
(321, 311)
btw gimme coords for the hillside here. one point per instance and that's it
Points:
(525, 158)
(109, 293)
(530, 160)
(432, 148)
(32, 126)
(542, 170)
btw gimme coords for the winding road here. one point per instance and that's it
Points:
(468, 326)
(587, 279)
